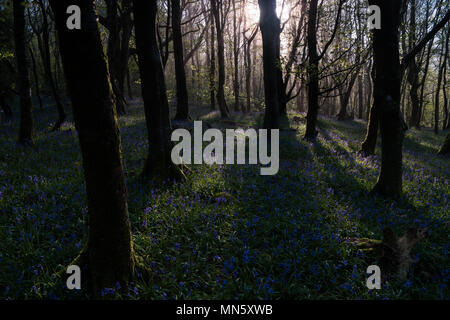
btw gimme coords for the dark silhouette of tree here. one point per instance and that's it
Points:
(270, 30)
(159, 163)
(109, 251)
(387, 84)
(445, 149)
(220, 12)
(180, 74)
(23, 80)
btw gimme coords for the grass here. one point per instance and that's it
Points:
(227, 232)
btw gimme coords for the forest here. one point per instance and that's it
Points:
(319, 134)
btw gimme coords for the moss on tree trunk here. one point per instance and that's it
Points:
(109, 251)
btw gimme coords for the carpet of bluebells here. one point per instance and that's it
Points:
(227, 232)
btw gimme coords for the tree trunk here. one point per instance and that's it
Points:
(313, 73)
(109, 251)
(123, 71)
(36, 78)
(212, 70)
(48, 68)
(23, 81)
(6, 109)
(270, 30)
(159, 164)
(445, 149)
(114, 52)
(224, 112)
(236, 45)
(413, 72)
(180, 74)
(438, 88)
(387, 97)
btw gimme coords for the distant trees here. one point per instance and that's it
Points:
(119, 25)
(313, 64)
(44, 45)
(23, 80)
(109, 251)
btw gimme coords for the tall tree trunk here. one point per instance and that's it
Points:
(313, 73)
(236, 44)
(36, 78)
(180, 74)
(446, 124)
(270, 30)
(212, 70)
(109, 252)
(48, 68)
(130, 91)
(413, 72)
(216, 10)
(442, 65)
(387, 97)
(114, 52)
(23, 81)
(370, 142)
(127, 29)
(159, 164)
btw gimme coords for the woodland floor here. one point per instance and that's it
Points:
(228, 232)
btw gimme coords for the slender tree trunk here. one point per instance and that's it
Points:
(413, 72)
(438, 87)
(224, 112)
(114, 52)
(180, 74)
(130, 91)
(23, 81)
(446, 123)
(109, 251)
(313, 73)
(387, 97)
(48, 68)
(236, 44)
(36, 78)
(212, 70)
(159, 164)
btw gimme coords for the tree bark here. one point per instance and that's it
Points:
(445, 149)
(180, 74)
(159, 164)
(112, 23)
(109, 251)
(218, 18)
(36, 78)
(387, 97)
(413, 72)
(23, 81)
(313, 74)
(270, 30)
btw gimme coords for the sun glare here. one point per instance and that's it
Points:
(252, 11)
